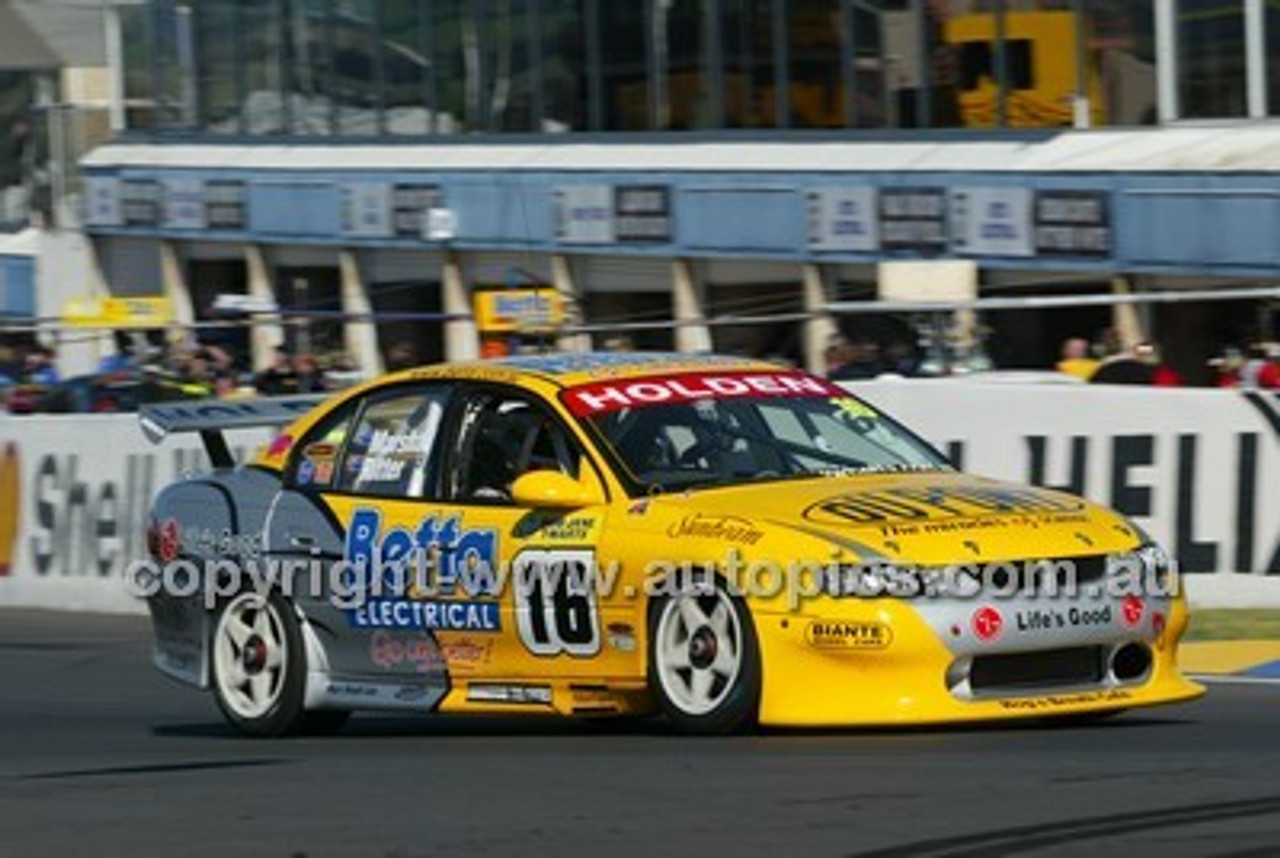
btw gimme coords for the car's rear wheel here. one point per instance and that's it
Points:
(260, 668)
(704, 663)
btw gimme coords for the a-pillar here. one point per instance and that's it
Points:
(571, 297)
(359, 338)
(173, 278)
(460, 341)
(692, 333)
(819, 324)
(264, 337)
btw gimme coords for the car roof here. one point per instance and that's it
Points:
(569, 369)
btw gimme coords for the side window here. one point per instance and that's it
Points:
(389, 450)
(501, 437)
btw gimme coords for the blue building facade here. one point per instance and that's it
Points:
(696, 175)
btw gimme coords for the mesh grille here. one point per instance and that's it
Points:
(1050, 668)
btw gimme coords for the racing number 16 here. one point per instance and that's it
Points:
(555, 601)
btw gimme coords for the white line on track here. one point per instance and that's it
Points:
(1230, 679)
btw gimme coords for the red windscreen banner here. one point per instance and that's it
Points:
(601, 397)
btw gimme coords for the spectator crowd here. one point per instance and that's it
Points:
(139, 372)
(142, 372)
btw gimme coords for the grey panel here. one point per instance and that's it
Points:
(369, 667)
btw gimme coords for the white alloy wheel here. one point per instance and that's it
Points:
(250, 656)
(699, 649)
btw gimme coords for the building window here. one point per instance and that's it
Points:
(506, 48)
(1211, 59)
(1272, 23)
(1119, 39)
(357, 69)
(406, 66)
(261, 49)
(623, 34)
(685, 71)
(136, 37)
(815, 64)
(750, 72)
(218, 76)
(563, 29)
(308, 67)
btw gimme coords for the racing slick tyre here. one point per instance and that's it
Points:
(704, 662)
(260, 668)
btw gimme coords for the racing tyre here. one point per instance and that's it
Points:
(259, 666)
(704, 663)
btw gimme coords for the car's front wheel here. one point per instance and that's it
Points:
(260, 668)
(704, 663)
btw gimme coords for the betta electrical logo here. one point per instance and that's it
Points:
(10, 506)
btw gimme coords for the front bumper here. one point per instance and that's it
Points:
(892, 662)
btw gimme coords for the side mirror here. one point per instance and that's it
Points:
(554, 490)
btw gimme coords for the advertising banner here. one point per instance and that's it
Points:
(1195, 468)
(508, 310)
(75, 495)
(140, 312)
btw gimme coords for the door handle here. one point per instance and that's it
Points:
(301, 540)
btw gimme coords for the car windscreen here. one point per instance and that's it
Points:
(714, 429)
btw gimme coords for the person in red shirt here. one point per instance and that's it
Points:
(1226, 368)
(1269, 372)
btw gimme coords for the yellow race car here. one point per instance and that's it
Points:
(725, 541)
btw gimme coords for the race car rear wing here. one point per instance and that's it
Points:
(212, 417)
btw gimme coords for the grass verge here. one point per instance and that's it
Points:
(1233, 624)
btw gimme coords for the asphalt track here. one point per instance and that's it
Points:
(99, 755)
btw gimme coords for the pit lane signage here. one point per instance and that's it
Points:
(140, 202)
(914, 219)
(642, 214)
(184, 206)
(991, 221)
(843, 219)
(103, 205)
(583, 214)
(1072, 223)
(224, 206)
(367, 210)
